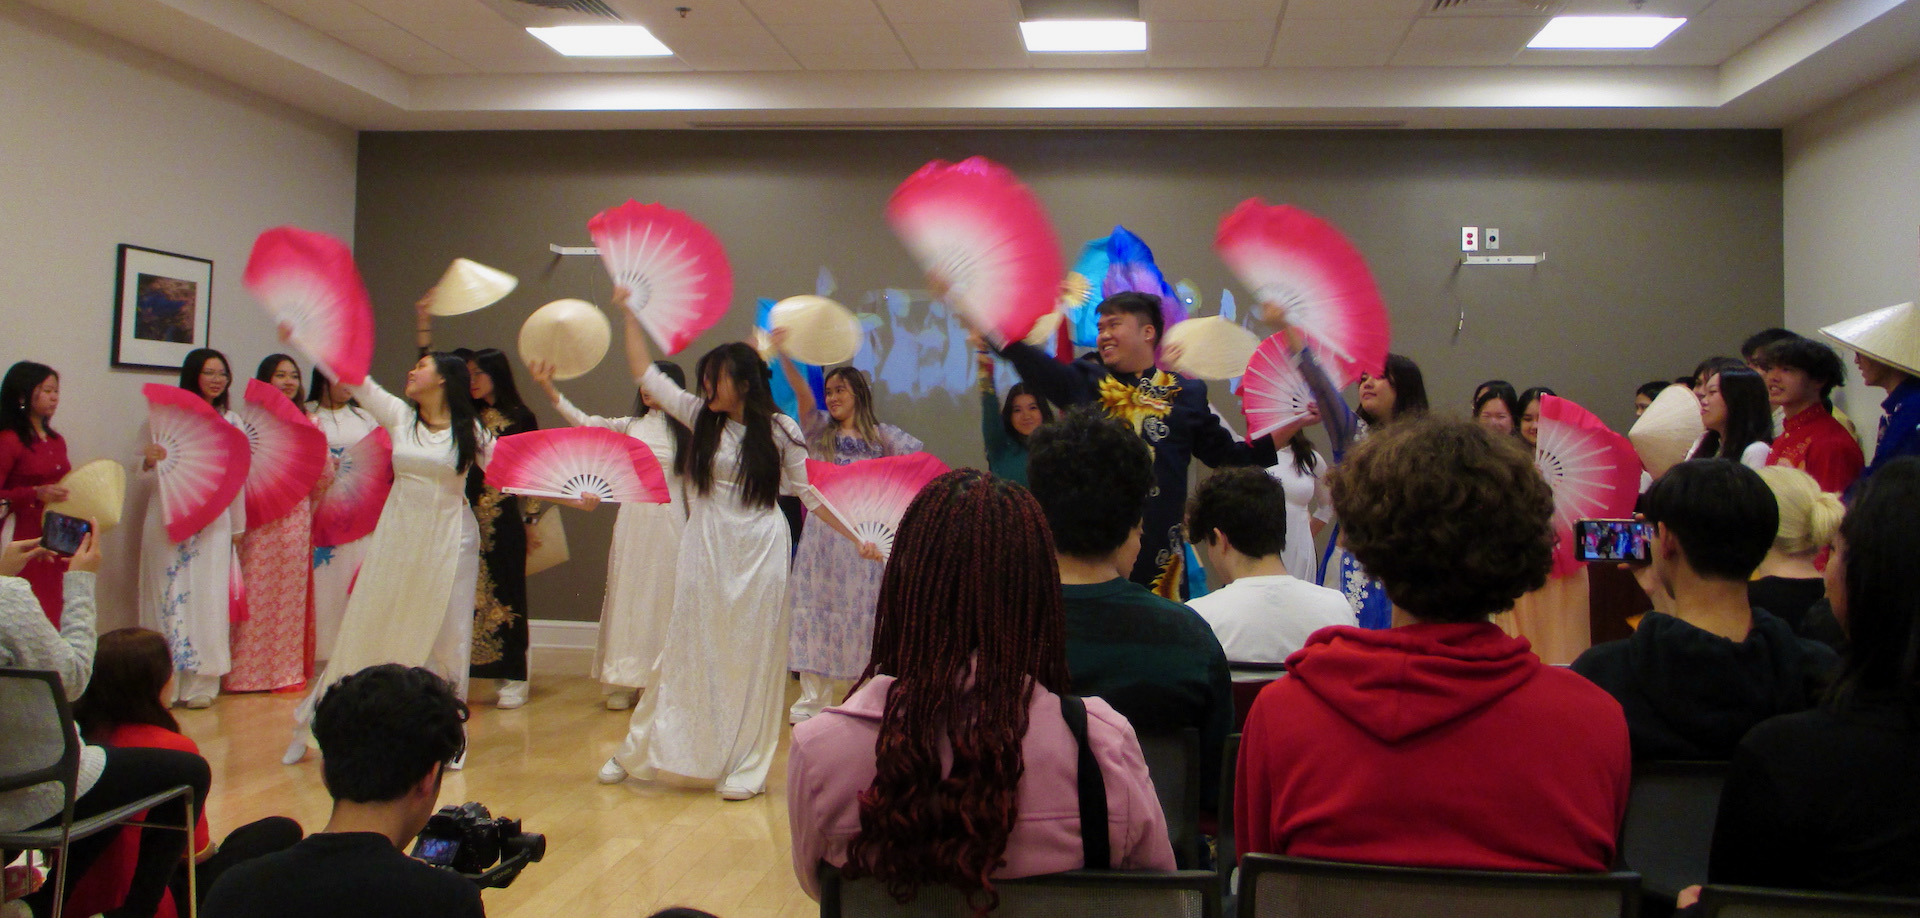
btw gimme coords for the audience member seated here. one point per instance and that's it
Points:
(1705, 665)
(952, 763)
(1788, 581)
(386, 735)
(1826, 799)
(1442, 741)
(125, 706)
(109, 778)
(1263, 613)
(1153, 659)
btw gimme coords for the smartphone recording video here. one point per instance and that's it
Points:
(62, 534)
(1628, 541)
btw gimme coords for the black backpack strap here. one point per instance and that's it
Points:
(1093, 788)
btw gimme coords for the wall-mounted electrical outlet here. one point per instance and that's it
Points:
(1469, 239)
(1491, 238)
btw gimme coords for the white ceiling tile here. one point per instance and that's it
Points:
(963, 45)
(1565, 57)
(782, 11)
(893, 60)
(874, 37)
(1682, 8)
(497, 49)
(724, 47)
(1355, 9)
(1754, 9)
(921, 11)
(1476, 41)
(1209, 44)
(403, 51)
(1336, 42)
(442, 15)
(1121, 60)
(657, 14)
(1209, 10)
(329, 15)
(1707, 42)
(631, 65)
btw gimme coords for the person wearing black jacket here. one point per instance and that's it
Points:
(1168, 410)
(1705, 666)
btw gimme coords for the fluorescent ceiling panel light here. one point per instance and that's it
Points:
(1609, 32)
(602, 41)
(1084, 35)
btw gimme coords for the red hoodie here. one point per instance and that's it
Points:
(1434, 745)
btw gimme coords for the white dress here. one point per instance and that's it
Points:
(1753, 457)
(413, 604)
(640, 565)
(185, 589)
(1307, 500)
(335, 565)
(713, 711)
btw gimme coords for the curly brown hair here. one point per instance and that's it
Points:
(969, 620)
(1453, 520)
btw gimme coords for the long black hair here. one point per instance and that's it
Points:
(320, 383)
(1301, 447)
(1006, 411)
(679, 430)
(1749, 415)
(197, 361)
(506, 395)
(1409, 389)
(1494, 385)
(1882, 537)
(461, 415)
(759, 469)
(271, 365)
(1505, 397)
(16, 399)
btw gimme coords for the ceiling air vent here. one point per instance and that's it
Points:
(590, 7)
(1487, 6)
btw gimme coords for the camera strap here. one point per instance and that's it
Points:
(1095, 844)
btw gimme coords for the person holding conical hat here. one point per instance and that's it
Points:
(1886, 349)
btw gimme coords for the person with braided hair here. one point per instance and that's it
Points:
(952, 762)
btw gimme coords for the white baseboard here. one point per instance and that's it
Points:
(562, 648)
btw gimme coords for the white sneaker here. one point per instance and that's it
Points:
(200, 702)
(612, 772)
(621, 699)
(735, 792)
(458, 763)
(513, 693)
(296, 751)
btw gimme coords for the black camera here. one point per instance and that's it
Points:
(470, 841)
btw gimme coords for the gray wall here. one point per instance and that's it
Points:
(1663, 247)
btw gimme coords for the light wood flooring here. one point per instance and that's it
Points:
(616, 851)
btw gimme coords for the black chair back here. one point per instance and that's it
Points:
(1173, 760)
(1285, 887)
(1226, 856)
(1754, 902)
(35, 715)
(1668, 831)
(1074, 894)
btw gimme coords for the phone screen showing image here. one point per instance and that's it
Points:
(1612, 540)
(62, 534)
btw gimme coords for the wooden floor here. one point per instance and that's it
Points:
(622, 851)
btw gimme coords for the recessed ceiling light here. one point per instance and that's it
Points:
(602, 41)
(1605, 32)
(1084, 35)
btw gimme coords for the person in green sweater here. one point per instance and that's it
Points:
(1006, 426)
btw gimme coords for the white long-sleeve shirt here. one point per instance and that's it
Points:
(29, 641)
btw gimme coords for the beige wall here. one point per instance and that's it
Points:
(1852, 216)
(1663, 247)
(105, 144)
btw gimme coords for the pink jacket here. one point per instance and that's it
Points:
(832, 762)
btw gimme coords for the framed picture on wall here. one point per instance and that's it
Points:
(162, 308)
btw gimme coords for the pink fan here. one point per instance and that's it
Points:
(676, 273)
(1273, 393)
(206, 462)
(973, 226)
(871, 495)
(350, 507)
(1594, 472)
(564, 461)
(289, 453)
(308, 283)
(236, 594)
(1302, 264)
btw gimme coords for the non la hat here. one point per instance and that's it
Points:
(1890, 335)
(469, 286)
(572, 335)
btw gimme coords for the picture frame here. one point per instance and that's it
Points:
(162, 307)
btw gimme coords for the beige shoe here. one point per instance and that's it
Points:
(622, 699)
(612, 773)
(733, 792)
(513, 694)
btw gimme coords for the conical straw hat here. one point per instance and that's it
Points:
(820, 331)
(1212, 347)
(1890, 335)
(1668, 430)
(468, 286)
(95, 491)
(573, 335)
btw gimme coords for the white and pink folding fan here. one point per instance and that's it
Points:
(973, 227)
(1302, 264)
(871, 495)
(350, 507)
(206, 462)
(676, 273)
(289, 453)
(1593, 472)
(1273, 393)
(308, 283)
(564, 461)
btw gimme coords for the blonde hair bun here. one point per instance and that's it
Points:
(1809, 517)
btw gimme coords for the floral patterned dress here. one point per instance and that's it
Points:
(834, 590)
(500, 635)
(273, 647)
